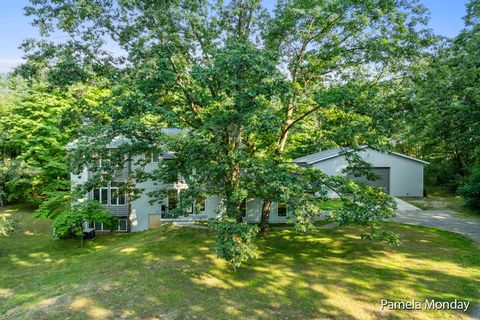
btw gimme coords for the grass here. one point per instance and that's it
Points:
(272, 224)
(172, 273)
(439, 198)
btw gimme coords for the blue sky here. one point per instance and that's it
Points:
(446, 20)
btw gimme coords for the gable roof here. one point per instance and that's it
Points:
(332, 153)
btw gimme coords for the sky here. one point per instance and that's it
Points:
(446, 20)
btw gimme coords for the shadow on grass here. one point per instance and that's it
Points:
(173, 273)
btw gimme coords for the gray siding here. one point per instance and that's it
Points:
(406, 175)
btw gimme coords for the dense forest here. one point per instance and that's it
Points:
(254, 89)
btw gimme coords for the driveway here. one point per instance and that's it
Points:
(441, 219)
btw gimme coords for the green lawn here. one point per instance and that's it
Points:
(172, 273)
(439, 198)
(332, 204)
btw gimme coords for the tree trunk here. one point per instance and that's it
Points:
(264, 221)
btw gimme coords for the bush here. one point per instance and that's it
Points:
(8, 225)
(234, 240)
(69, 223)
(471, 189)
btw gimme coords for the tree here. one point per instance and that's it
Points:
(70, 221)
(251, 86)
(445, 113)
(36, 124)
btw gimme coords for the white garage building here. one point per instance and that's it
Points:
(400, 175)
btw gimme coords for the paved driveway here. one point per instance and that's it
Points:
(441, 219)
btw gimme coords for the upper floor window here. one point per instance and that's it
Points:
(110, 194)
(101, 195)
(117, 197)
(152, 156)
(101, 162)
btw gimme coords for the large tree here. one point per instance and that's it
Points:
(253, 87)
(444, 95)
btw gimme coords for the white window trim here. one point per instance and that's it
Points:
(100, 195)
(109, 189)
(118, 198)
(204, 207)
(118, 228)
(103, 229)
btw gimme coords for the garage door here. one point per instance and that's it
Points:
(383, 182)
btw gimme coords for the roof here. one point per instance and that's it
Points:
(332, 153)
(119, 140)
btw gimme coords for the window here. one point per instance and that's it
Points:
(152, 156)
(148, 156)
(155, 157)
(172, 199)
(200, 204)
(117, 197)
(282, 210)
(101, 195)
(122, 224)
(243, 208)
(100, 227)
(99, 161)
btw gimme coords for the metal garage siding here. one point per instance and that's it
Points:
(406, 175)
(383, 181)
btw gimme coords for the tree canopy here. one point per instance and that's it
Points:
(253, 89)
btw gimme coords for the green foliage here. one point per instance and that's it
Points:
(8, 225)
(471, 189)
(37, 123)
(234, 240)
(70, 222)
(444, 113)
(55, 204)
(253, 89)
(380, 234)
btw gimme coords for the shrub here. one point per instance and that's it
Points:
(69, 223)
(8, 225)
(471, 189)
(234, 240)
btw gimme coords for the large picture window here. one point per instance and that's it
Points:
(101, 195)
(117, 197)
(110, 195)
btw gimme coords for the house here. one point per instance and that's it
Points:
(400, 175)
